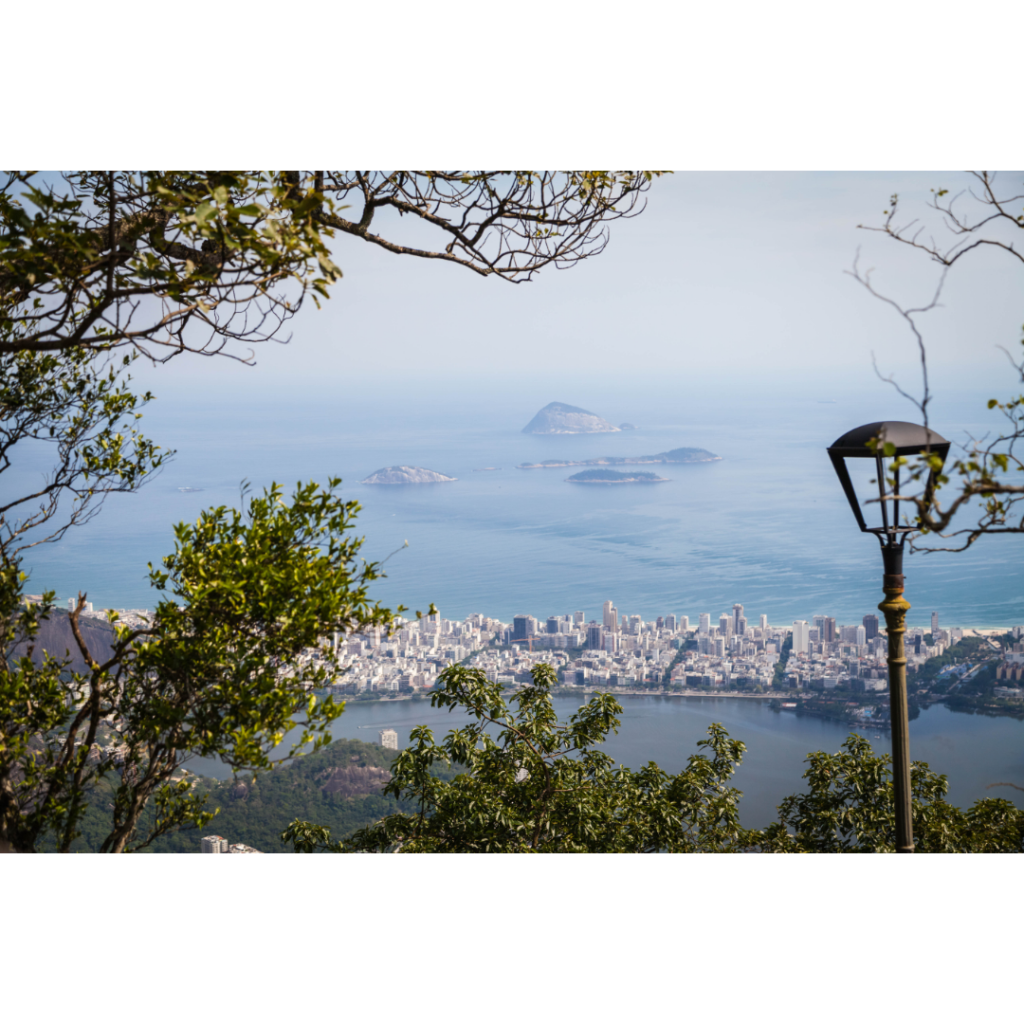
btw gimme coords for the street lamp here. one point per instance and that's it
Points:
(908, 439)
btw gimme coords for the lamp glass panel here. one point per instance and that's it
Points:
(864, 476)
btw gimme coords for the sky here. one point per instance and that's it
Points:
(725, 275)
(724, 310)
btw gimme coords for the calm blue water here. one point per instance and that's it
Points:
(972, 751)
(767, 526)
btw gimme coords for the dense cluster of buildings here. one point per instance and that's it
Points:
(626, 651)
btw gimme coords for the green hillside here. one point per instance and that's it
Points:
(338, 786)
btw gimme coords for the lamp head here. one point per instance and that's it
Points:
(908, 439)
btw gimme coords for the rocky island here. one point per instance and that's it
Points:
(559, 418)
(407, 475)
(677, 455)
(611, 476)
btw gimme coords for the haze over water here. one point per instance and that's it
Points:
(767, 526)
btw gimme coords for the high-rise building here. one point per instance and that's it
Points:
(862, 636)
(595, 636)
(611, 643)
(871, 626)
(660, 622)
(828, 629)
(741, 626)
(800, 636)
(610, 615)
(764, 621)
(719, 647)
(389, 739)
(213, 844)
(684, 623)
(579, 618)
(737, 614)
(520, 627)
(553, 624)
(670, 622)
(705, 623)
(935, 624)
(725, 625)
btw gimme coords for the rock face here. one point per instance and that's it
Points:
(352, 781)
(407, 475)
(559, 418)
(55, 638)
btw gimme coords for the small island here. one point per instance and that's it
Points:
(559, 418)
(407, 475)
(612, 476)
(677, 455)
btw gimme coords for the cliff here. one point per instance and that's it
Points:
(55, 637)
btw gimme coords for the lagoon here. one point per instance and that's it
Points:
(972, 750)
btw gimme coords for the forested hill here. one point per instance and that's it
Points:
(339, 786)
(56, 638)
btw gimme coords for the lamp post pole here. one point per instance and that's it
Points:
(866, 442)
(895, 608)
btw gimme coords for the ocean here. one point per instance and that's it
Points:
(767, 526)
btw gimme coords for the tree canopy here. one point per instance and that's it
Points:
(98, 269)
(524, 782)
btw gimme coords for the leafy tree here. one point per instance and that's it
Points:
(530, 784)
(849, 808)
(161, 263)
(225, 668)
(526, 783)
(167, 262)
(975, 494)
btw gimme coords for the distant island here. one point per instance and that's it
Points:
(407, 475)
(487, 469)
(559, 418)
(677, 455)
(611, 476)
(190, 490)
(627, 426)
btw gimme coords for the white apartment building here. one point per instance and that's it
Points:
(801, 636)
(389, 739)
(611, 615)
(213, 844)
(705, 623)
